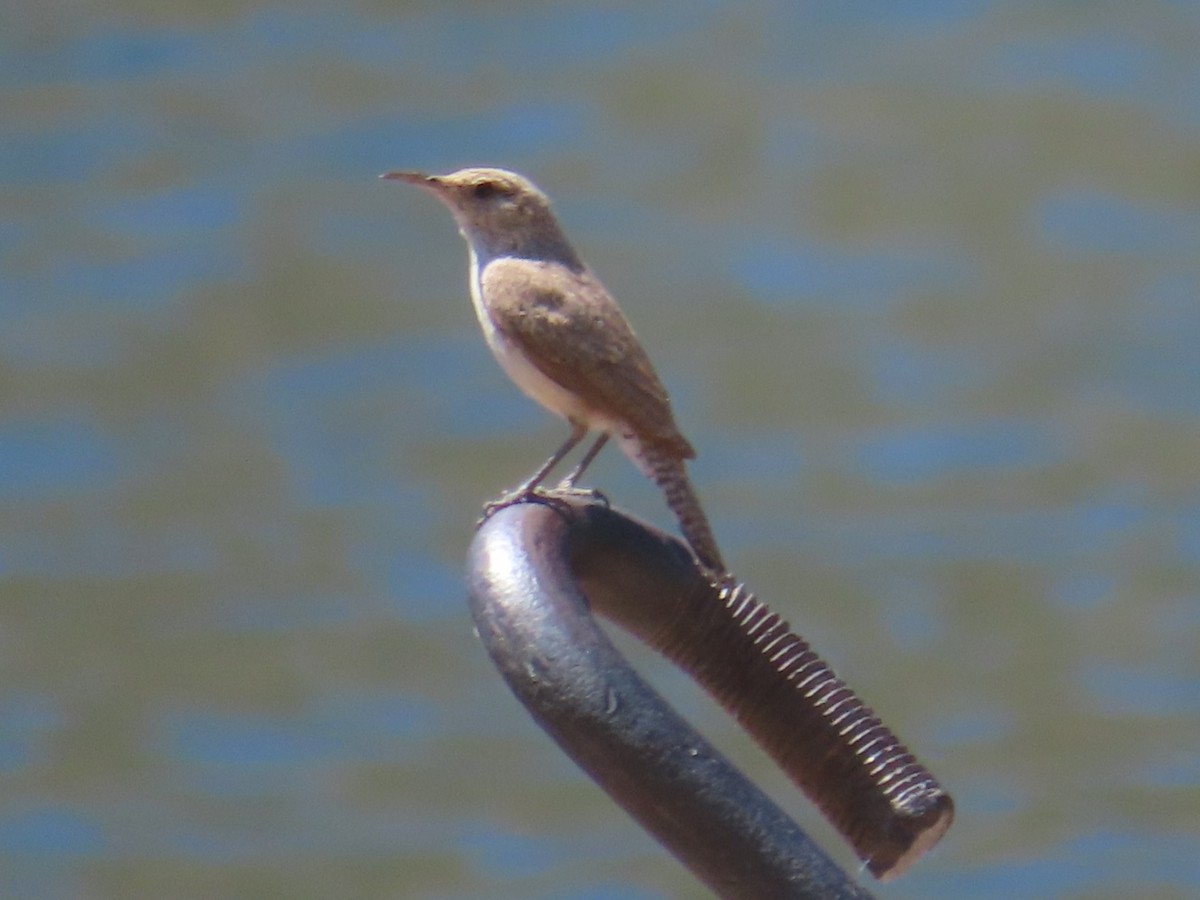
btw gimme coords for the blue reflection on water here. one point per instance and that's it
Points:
(50, 457)
(106, 53)
(51, 831)
(824, 275)
(907, 455)
(27, 721)
(1142, 691)
(1099, 222)
(357, 726)
(1048, 536)
(373, 144)
(74, 153)
(1102, 64)
(505, 854)
(905, 373)
(1083, 592)
(179, 212)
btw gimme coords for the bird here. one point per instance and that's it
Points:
(561, 337)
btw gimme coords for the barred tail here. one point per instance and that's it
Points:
(670, 473)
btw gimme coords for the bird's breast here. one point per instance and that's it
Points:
(531, 380)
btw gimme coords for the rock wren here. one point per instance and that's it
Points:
(562, 338)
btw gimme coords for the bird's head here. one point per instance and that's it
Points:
(497, 211)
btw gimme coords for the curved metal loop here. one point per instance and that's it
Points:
(536, 571)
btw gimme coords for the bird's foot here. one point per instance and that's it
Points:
(557, 496)
(566, 489)
(522, 494)
(511, 498)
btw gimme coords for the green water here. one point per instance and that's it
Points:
(922, 280)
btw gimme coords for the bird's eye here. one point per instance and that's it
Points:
(485, 190)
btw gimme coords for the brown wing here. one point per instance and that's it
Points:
(574, 333)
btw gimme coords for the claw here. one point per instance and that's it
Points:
(565, 489)
(512, 498)
(555, 496)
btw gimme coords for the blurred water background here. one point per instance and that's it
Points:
(922, 277)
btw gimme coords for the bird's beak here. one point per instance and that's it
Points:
(420, 179)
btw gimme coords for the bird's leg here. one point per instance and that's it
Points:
(570, 481)
(528, 488)
(567, 485)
